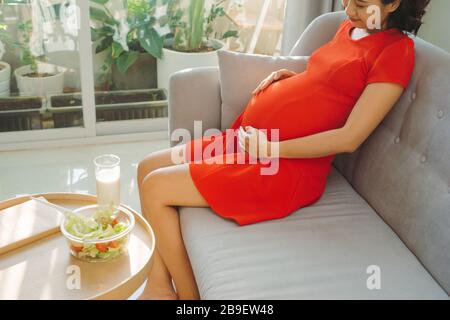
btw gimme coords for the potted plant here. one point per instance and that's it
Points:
(5, 68)
(191, 42)
(36, 77)
(130, 41)
(16, 113)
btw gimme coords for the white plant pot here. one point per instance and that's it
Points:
(40, 86)
(5, 76)
(173, 61)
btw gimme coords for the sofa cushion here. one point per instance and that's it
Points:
(319, 252)
(241, 73)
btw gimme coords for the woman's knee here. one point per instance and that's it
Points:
(151, 162)
(143, 169)
(159, 159)
(152, 187)
(154, 193)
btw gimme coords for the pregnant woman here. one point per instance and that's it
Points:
(348, 87)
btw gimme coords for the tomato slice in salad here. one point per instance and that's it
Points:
(76, 248)
(102, 247)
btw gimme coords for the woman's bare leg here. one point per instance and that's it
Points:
(162, 190)
(159, 283)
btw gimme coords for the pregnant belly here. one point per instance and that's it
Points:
(296, 108)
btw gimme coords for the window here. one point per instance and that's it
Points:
(262, 38)
(40, 62)
(78, 68)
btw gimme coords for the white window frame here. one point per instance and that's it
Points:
(91, 132)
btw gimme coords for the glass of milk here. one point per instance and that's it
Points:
(107, 175)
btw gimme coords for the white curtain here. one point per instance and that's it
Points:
(298, 15)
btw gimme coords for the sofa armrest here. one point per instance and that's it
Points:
(194, 95)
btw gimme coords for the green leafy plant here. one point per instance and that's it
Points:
(26, 56)
(195, 34)
(137, 31)
(4, 39)
(23, 44)
(125, 38)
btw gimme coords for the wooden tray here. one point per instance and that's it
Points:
(42, 270)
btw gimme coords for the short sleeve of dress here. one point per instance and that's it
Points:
(395, 64)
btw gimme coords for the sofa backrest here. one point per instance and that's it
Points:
(403, 169)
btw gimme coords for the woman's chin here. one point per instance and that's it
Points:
(358, 24)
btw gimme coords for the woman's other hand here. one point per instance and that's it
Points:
(273, 77)
(254, 142)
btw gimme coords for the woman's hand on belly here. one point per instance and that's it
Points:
(254, 142)
(273, 77)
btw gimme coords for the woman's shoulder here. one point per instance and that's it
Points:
(401, 45)
(397, 38)
(394, 62)
(396, 45)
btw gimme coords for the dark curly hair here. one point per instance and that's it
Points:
(408, 16)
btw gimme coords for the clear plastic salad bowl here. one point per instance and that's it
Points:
(97, 232)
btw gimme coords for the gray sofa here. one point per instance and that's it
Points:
(387, 205)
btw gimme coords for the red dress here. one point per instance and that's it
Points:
(318, 99)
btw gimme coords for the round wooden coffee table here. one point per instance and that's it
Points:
(46, 270)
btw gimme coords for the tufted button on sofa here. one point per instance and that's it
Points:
(385, 212)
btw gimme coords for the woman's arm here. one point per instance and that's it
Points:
(371, 108)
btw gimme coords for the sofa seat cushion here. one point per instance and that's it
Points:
(319, 252)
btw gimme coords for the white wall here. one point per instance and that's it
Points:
(435, 28)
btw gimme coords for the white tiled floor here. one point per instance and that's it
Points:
(71, 169)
